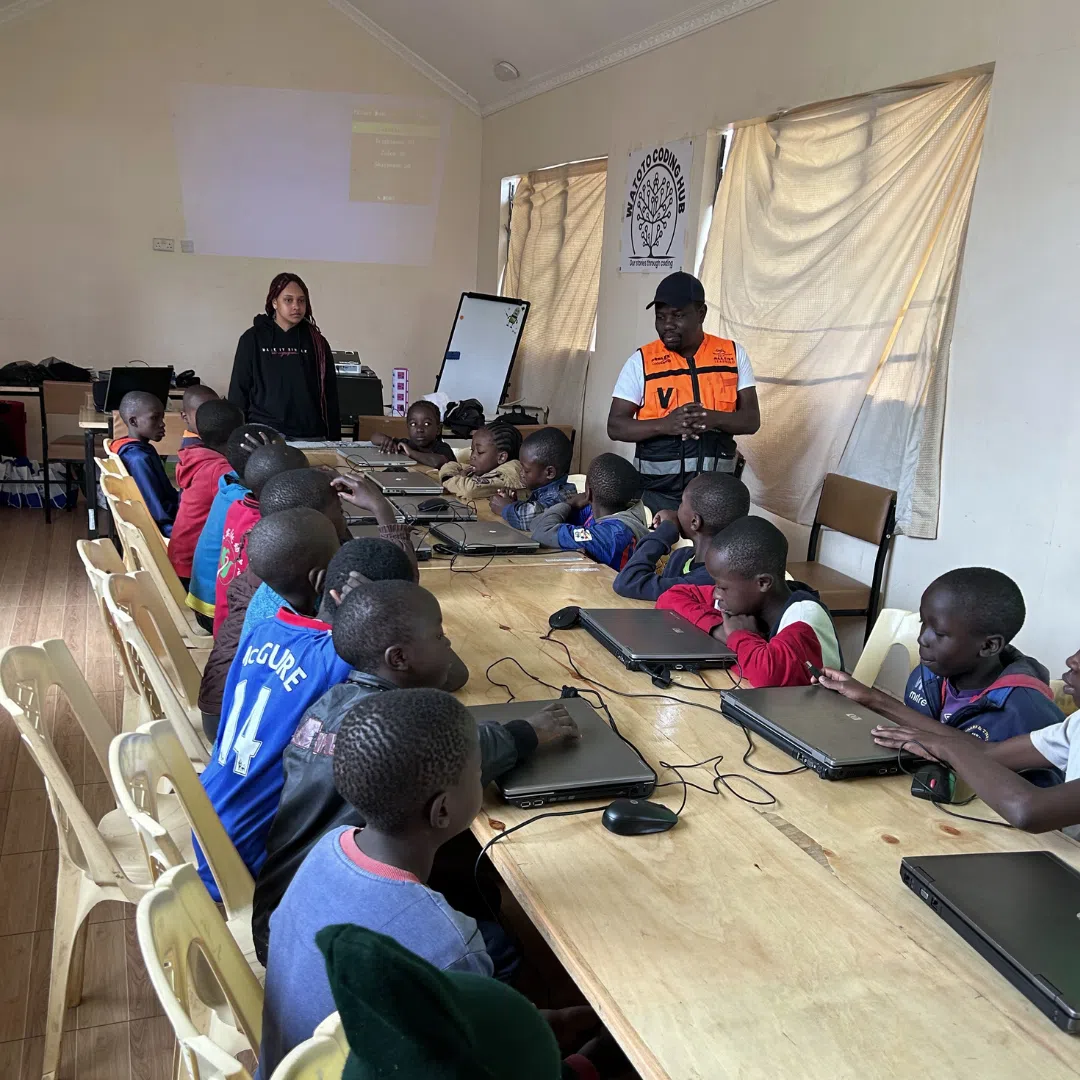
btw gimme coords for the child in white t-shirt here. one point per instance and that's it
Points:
(991, 769)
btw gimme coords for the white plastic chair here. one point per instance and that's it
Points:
(322, 1057)
(166, 675)
(97, 861)
(141, 764)
(208, 992)
(893, 627)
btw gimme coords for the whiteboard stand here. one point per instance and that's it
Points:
(480, 353)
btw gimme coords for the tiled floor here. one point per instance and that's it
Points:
(118, 1031)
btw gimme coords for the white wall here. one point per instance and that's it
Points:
(88, 176)
(1009, 441)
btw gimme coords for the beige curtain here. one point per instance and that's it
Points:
(553, 260)
(834, 258)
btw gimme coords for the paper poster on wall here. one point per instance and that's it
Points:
(654, 214)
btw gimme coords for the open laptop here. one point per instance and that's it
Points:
(379, 459)
(597, 766)
(1020, 910)
(419, 538)
(408, 507)
(819, 728)
(122, 380)
(407, 483)
(483, 538)
(646, 637)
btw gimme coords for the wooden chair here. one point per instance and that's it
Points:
(97, 861)
(856, 509)
(62, 400)
(139, 762)
(322, 1057)
(893, 627)
(145, 549)
(167, 676)
(212, 998)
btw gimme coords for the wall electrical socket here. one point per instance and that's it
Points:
(187, 247)
(162, 243)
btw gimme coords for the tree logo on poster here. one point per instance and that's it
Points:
(655, 208)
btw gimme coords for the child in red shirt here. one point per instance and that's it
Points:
(773, 626)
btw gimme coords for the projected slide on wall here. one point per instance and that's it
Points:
(297, 174)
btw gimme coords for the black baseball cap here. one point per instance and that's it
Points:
(678, 290)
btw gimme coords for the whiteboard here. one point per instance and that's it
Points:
(480, 353)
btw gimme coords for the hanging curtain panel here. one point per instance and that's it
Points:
(834, 257)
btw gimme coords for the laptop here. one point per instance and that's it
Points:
(419, 538)
(122, 380)
(646, 637)
(598, 766)
(408, 507)
(1020, 910)
(379, 459)
(483, 538)
(818, 728)
(393, 482)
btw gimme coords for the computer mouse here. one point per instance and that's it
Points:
(636, 817)
(433, 504)
(564, 618)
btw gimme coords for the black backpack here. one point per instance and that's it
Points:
(464, 417)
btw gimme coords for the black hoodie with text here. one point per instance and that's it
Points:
(284, 379)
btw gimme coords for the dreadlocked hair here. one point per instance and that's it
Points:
(506, 437)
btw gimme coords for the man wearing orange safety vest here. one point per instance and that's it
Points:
(682, 397)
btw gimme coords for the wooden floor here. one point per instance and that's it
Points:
(118, 1032)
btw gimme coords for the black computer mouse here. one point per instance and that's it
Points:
(433, 504)
(636, 817)
(564, 618)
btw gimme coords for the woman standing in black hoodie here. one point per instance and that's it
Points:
(283, 374)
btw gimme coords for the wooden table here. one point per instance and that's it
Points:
(762, 942)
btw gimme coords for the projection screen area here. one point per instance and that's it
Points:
(298, 174)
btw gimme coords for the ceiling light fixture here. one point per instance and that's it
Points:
(505, 71)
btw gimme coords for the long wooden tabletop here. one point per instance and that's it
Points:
(748, 941)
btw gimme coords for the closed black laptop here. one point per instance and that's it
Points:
(483, 538)
(1020, 910)
(419, 537)
(407, 483)
(819, 728)
(648, 637)
(410, 508)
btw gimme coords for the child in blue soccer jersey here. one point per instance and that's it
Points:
(282, 666)
(605, 521)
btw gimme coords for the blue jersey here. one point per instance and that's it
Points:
(144, 463)
(282, 666)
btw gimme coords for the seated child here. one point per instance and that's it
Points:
(991, 770)
(280, 668)
(971, 678)
(242, 442)
(145, 418)
(493, 465)
(773, 626)
(605, 521)
(202, 464)
(710, 503)
(264, 463)
(423, 444)
(545, 460)
(194, 396)
(390, 634)
(408, 762)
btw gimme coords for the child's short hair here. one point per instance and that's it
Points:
(506, 437)
(135, 400)
(989, 601)
(550, 446)
(395, 751)
(375, 558)
(423, 403)
(216, 420)
(237, 451)
(374, 617)
(614, 482)
(285, 547)
(269, 461)
(297, 487)
(752, 546)
(195, 397)
(718, 499)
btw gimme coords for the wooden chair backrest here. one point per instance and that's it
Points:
(855, 508)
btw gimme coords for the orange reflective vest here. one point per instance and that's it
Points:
(711, 378)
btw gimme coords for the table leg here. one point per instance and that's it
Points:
(90, 482)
